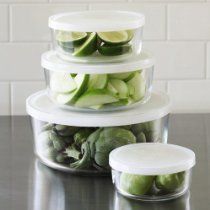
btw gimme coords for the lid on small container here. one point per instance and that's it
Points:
(151, 159)
(52, 62)
(96, 21)
(40, 107)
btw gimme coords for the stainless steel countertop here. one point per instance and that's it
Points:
(27, 184)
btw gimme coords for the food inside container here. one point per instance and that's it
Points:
(97, 36)
(152, 172)
(98, 87)
(81, 142)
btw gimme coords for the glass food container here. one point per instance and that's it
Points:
(152, 172)
(81, 142)
(98, 87)
(97, 36)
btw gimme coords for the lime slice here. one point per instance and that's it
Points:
(108, 50)
(114, 37)
(68, 39)
(88, 47)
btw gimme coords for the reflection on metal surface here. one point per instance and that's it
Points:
(54, 190)
(123, 203)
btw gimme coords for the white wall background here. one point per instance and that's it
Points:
(176, 31)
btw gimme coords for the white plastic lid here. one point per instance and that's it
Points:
(96, 21)
(52, 62)
(152, 159)
(40, 107)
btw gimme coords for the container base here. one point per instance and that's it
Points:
(154, 198)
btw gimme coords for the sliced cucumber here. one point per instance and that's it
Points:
(137, 86)
(121, 87)
(97, 81)
(122, 76)
(81, 81)
(111, 88)
(88, 47)
(114, 37)
(95, 98)
(108, 50)
(62, 82)
(70, 40)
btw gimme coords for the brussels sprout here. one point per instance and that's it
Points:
(109, 139)
(81, 135)
(72, 152)
(170, 182)
(150, 130)
(51, 153)
(64, 130)
(60, 158)
(47, 126)
(44, 140)
(58, 142)
(136, 184)
(86, 161)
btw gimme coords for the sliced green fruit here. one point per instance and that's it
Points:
(114, 37)
(69, 39)
(95, 97)
(81, 82)
(111, 88)
(108, 50)
(88, 47)
(121, 102)
(121, 87)
(130, 34)
(123, 76)
(62, 82)
(137, 86)
(97, 81)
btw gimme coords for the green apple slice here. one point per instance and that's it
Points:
(62, 82)
(137, 86)
(97, 81)
(81, 81)
(95, 97)
(121, 87)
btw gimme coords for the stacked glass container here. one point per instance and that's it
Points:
(99, 92)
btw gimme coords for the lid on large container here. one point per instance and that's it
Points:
(151, 159)
(40, 107)
(96, 21)
(52, 62)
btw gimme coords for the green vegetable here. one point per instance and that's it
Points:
(85, 161)
(51, 153)
(109, 139)
(82, 135)
(135, 184)
(170, 182)
(72, 152)
(58, 142)
(61, 158)
(64, 130)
